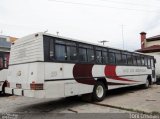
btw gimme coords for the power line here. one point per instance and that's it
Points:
(129, 3)
(104, 6)
(123, 36)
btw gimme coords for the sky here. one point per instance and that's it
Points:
(87, 20)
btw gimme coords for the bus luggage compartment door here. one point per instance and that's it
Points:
(71, 89)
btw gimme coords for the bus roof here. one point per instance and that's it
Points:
(81, 41)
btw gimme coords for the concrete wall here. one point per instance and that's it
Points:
(148, 44)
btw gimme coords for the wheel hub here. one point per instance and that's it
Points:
(99, 91)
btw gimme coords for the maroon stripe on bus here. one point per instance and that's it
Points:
(110, 71)
(83, 73)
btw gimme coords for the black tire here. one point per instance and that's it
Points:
(99, 91)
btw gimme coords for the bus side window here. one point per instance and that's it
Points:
(152, 62)
(124, 59)
(90, 55)
(129, 59)
(46, 45)
(105, 57)
(139, 60)
(145, 61)
(142, 60)
(71, 53)
(60, 53)
(118, 58)
(134, 60)
(51, 50)
(149, 62)
(99, 56)
(83, 54)
(111, 58)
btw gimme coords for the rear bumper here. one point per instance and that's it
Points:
(27, 93)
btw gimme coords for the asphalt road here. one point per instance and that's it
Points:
(113, 106)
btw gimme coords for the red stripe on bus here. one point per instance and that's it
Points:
(110, 71)
(83, 73)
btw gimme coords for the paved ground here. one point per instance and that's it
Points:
(68, 108)
(120, 103)
(147, 100)
(64, 105)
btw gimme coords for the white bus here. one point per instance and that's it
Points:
(4, 59)
(49, 66)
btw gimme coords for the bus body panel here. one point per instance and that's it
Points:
(29, 68)
(56, 84)
(56, 89)
(54, 71)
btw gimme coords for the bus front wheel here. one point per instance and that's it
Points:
(99, 91)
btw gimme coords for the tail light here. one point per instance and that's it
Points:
(36, 86)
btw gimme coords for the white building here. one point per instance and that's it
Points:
(151, 46)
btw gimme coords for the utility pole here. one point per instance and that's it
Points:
(57, 33)
(123, 36)
(103, 41)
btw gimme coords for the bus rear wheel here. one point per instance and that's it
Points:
(99, 92)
